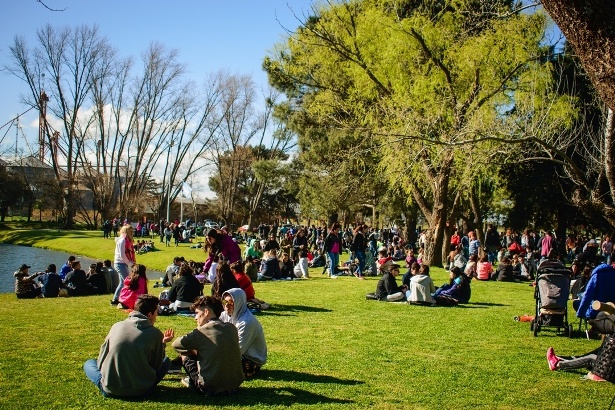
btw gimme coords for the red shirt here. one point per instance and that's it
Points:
(246, 284)
(455, 240)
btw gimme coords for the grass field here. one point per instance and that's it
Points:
(328, 348)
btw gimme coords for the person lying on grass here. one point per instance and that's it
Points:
(132, 360)
(210, 354)
(251, 336)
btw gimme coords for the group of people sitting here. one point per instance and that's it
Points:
(101, 278)
(275, 261)
(187, 284)
(417, 287)
(510, 268)
(227, 346)
(144, 246)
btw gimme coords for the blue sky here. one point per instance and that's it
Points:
(209, 34)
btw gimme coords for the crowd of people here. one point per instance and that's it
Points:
(228, 344)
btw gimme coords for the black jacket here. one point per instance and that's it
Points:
(185, 289)
(387, 285)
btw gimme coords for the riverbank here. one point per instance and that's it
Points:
(92, 245)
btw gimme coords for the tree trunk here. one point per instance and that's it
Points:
(589, 26)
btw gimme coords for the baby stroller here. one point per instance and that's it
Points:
(551, 294)
(370, 265)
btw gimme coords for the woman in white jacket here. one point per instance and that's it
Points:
(421, 288)
(251, 336)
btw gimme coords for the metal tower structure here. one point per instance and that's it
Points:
(42, 125)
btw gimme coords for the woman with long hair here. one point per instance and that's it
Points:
(134, 286)
(124, 258)
(333, 247)
(224, 281)
(221, 244)
(358, 247)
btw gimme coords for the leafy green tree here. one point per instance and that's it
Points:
(426, 80)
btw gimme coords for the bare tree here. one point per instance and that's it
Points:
(68, 58)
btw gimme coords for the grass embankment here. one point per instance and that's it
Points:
(328, 348)
(92, 245)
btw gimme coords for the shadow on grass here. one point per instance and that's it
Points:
(288, 310)
(485, 304)
(290, 375)
(263, 396)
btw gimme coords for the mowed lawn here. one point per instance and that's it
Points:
(328, 347)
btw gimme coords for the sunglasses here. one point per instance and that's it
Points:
(227, 302)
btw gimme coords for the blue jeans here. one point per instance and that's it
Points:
(90, 367)
(334, 261)
(361, 257)
(123, 270)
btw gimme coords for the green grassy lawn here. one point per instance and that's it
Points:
(328, 348)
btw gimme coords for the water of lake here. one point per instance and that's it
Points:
(13, 256)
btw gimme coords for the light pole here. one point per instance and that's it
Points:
(169, 185)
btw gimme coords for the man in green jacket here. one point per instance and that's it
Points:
(132, 359)
(210, 353)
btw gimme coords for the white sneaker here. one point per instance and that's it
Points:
(185, 381)
(333, 276)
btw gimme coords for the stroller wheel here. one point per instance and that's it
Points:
(532, 325)
(570, 331)
(536, 329)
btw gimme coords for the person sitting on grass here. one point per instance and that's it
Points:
(410, 258)
(484, 269)
(251, 336)
(387, 289)
(414, 270)
(254, 250)
(210, 354)
(585, 361)
(185, 290)
(286, 267)
(25, 286)
(132, 360)
(76, 281)
(470, 269)
(67, 267)
(134, 286)
(421, 288)
(456, 291)
(301, 269)
(251, 269)
(50, 282)
(225, 280)
(504, 271)
(97, 284)
(171, 272)
(246, 284)
(270, 267)
(384, 262)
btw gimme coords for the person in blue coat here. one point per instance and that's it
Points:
(601, 286)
